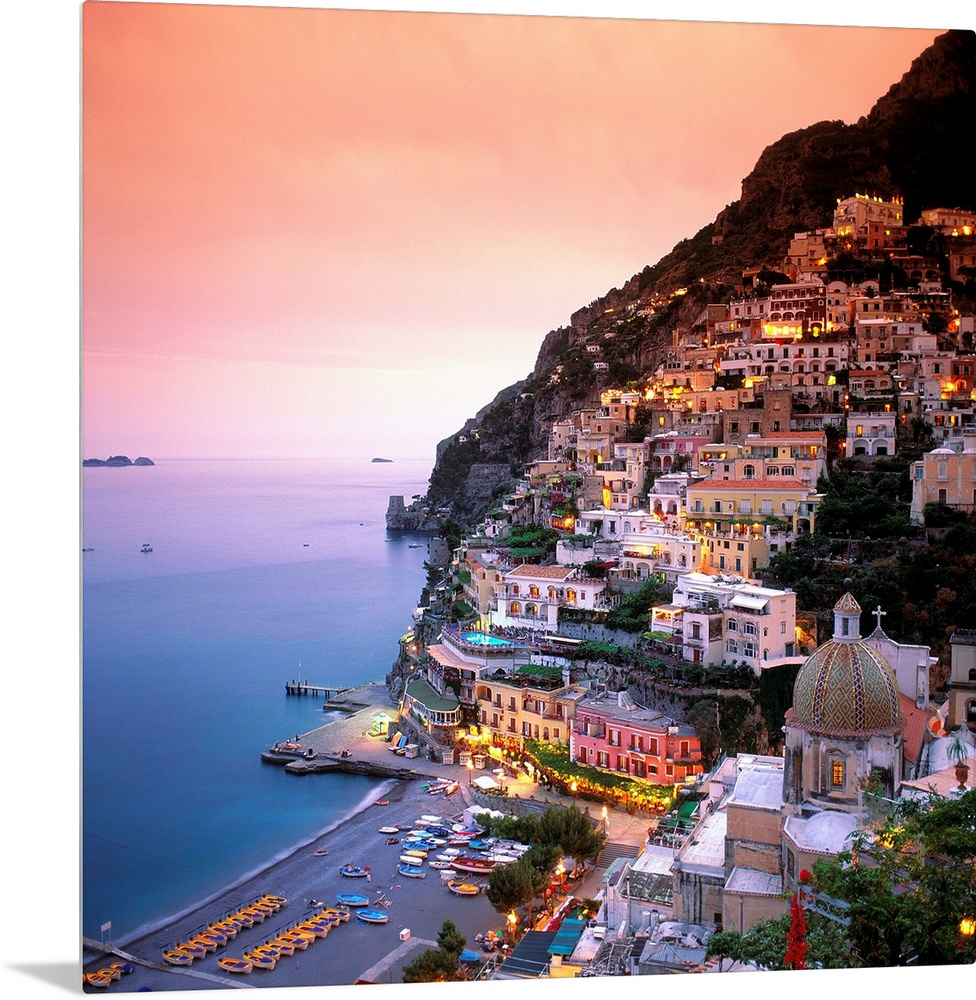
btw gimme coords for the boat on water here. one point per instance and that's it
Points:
(372, 916)
(351, 899)
(146, 547)
(229, 964)
(411, 871)
(478, 866)
(463, 888)
(354, 871)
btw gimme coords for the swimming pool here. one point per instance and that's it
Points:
(483, 639)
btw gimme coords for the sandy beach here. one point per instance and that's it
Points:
(352, 951)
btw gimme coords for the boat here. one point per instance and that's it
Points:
(405, 859)
(260, 960)
(354, 871)
(372, 916)
(411, 871)
(478, 866)
(191, 949)
(389, 829)
(351, 899)
(229, 964)
(442, 865)
(393, 840)
(285, 947)
(382, 802)
(415, 852)
(146, 548)
(339, 914)
(177, 956)
(277, 901)
(463, 888)
(319, 854)
(88, 548)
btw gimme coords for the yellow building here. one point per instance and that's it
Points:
(741, 522)
(514, 711)
(944, 476)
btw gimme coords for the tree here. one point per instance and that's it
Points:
(572, 829)
(723, 945)
(909, 884)
(511, 886)
(440, 964)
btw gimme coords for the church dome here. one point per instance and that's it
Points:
(846, 684)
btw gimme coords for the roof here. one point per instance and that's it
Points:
(751, 882)
(430, 698)
(825, 832)
(759, 788)
(916, 721)
(526, 571)
(846, 686)
(530, 957)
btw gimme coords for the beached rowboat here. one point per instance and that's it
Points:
(176, 956)
(463, 888)
(354, 871)
(351, 899)
(235, 964)
(478, 866)
(372, 916)
(260, 961)
(388, 829)
(411, 871)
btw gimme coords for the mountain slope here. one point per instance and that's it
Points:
(912, 143)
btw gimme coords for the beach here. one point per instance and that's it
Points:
(352, 952)
(351, 949)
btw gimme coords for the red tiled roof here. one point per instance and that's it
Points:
(916, 721)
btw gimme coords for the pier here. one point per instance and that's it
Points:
(319, 690)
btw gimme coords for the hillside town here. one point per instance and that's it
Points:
(612, 624)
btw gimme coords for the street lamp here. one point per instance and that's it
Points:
(606, 823)
(470, 770)
(512, 924)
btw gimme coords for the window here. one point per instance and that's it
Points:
(731, 646)
(733, 625)
(836, 774)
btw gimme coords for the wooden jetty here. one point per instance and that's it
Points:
(318, 690)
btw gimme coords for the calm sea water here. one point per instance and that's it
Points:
(261, 571)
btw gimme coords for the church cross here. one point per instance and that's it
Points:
(879, 614)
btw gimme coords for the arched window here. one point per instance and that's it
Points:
(533, 591)
(514, 608)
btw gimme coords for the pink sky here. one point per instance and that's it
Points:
(312, 232)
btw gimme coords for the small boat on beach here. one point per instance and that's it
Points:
(260, 960)
(389, 829)
(393, 840)
(441, 865)
(464, 888)
(411, 871)
(415, 852)
(477, 866)
(354, 871)
(229, 964)
(319, 854)
(382, 802)
(351, 899)
(372, 916)
(177, 956)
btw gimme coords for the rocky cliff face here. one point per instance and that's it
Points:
(913, 143)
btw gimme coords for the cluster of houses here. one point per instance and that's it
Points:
(739, 424)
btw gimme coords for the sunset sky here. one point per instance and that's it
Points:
(332, 232)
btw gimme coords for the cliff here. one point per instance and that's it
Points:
(909, 144)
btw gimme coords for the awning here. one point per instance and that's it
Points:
(487, 783)
(749, 603)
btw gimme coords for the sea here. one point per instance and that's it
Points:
(261, 572)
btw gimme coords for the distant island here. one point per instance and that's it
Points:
(382, 459)
(115, 462)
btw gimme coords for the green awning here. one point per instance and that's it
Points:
(421, 691)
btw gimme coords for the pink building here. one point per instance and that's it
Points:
(613, 734)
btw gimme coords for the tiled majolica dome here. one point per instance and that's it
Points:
(846, 684)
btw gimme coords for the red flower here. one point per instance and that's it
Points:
(805, 877)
